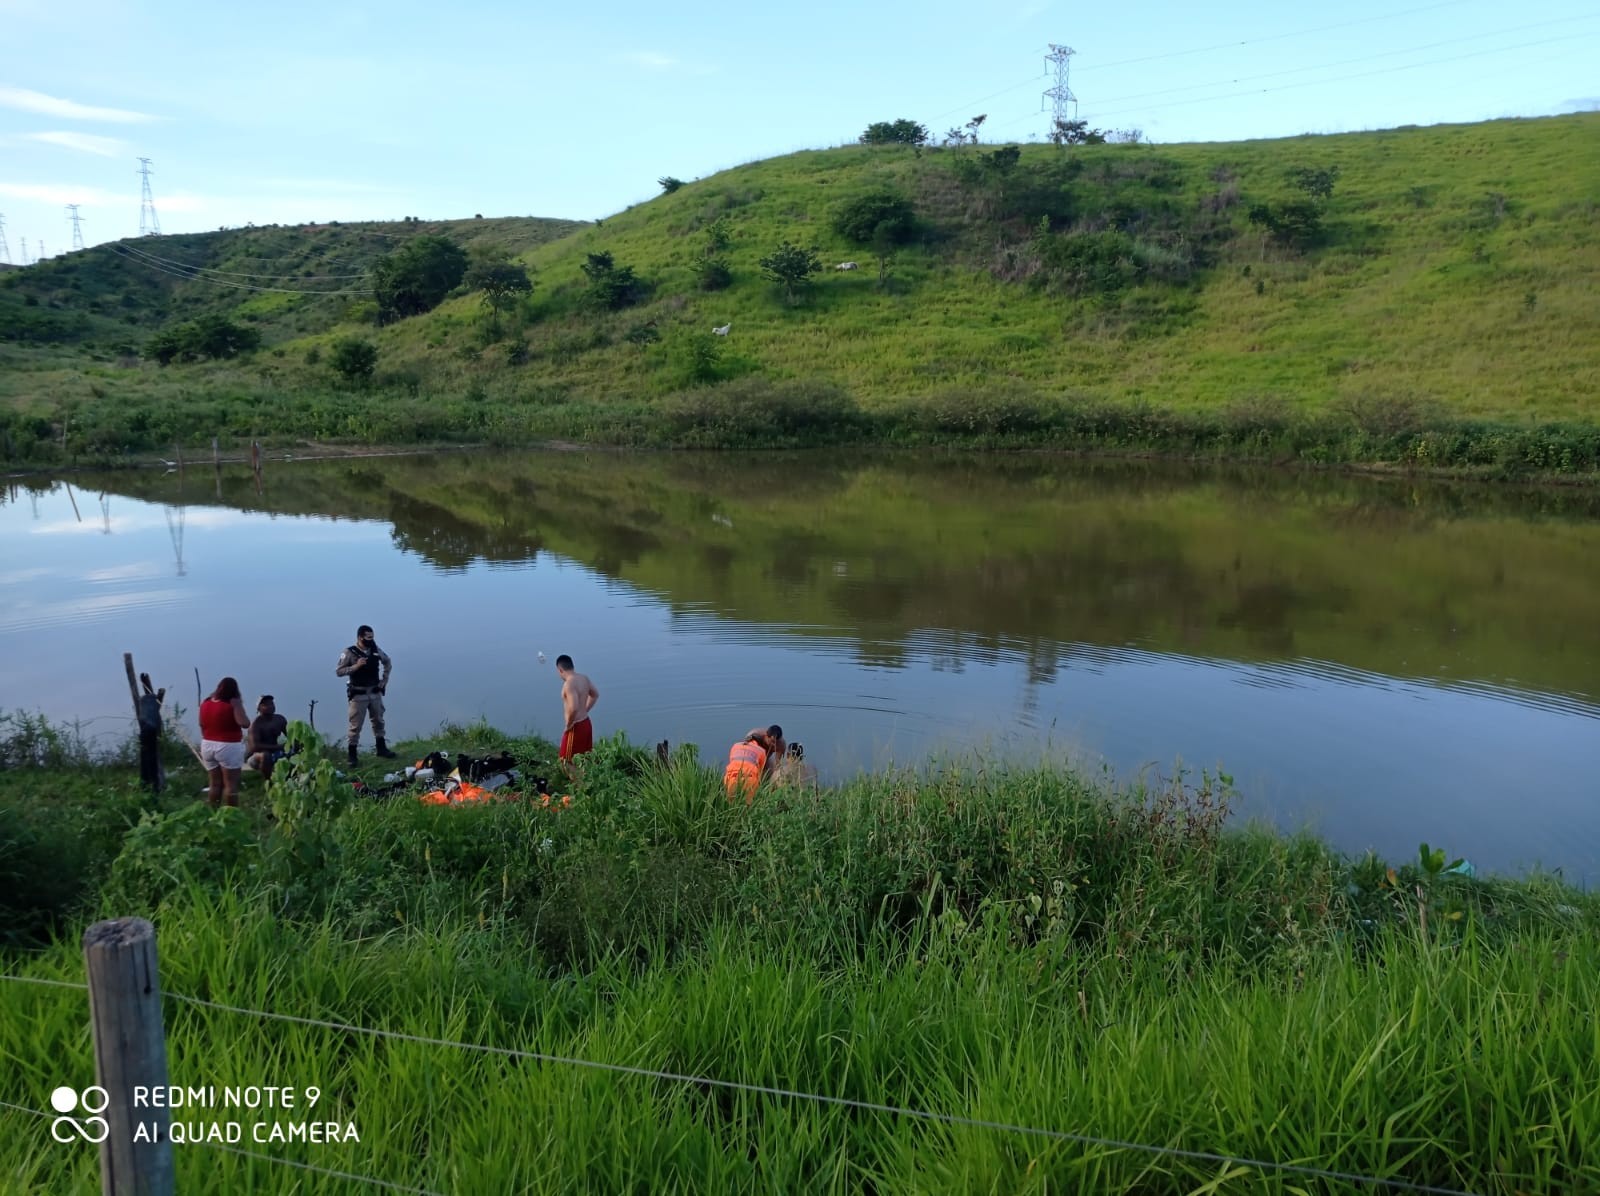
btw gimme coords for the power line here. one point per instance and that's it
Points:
(1028, 82)
(166, 261)
(134, 255)
(1204, 49)
(1101, 113)
(1362, 75)
(1256, 41)
(1454, 41)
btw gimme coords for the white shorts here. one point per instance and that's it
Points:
(221, 755)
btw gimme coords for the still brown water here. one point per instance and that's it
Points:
(1379, 661)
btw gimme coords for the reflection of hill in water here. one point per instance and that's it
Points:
(964, 558)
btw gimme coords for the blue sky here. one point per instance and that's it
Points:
(340, 111)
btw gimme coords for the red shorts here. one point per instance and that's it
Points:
(579, 738)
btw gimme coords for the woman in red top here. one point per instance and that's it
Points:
(222, 723)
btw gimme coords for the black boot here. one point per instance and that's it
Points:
(383, 750)
(352, 755)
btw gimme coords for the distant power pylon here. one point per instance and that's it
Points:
(77, 228)
(25, 251)
(149, 226)
(5, 250)
(1065, 104)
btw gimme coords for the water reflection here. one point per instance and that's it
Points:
(1385, 661)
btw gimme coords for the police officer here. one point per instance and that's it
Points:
(360, 665)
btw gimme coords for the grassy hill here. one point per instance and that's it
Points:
(1436, 307)
(109, 299)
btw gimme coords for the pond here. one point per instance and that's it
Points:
(1379, 661)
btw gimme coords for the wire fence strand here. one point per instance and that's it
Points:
(365, 1179)
(49, 983)
(952, 1119)
(25, 1109)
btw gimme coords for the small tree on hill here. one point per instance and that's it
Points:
(883, 247)
(669, 184)
(354, 360)
(974, 125)
(501, 283)
(895, 132)
(791, 267)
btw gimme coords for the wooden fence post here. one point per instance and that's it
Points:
(130, 1050)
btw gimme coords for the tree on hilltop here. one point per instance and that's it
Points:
(895, 132)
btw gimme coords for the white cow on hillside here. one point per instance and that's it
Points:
(847, 266)
(723, 331)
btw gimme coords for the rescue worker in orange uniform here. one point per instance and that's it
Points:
(747, 764)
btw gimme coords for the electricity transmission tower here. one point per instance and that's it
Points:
(5, 250)
(77, 229)
(25, 251)
(1065, 104)
(149, 226)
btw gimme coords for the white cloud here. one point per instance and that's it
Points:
(88, 143)
(59, 194)
(24, 100)
(651, 59)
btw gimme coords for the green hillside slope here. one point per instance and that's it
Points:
(289, 280)
(1459, 265)
(1415, 295)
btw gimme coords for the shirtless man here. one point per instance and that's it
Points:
(578, 696)
(263, 749)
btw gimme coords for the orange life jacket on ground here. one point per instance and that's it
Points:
(746, 763)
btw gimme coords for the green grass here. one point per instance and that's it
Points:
(1015, 946)
(1442, 321)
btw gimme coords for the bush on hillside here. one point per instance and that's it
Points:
(1296, 224)
(354, 359)
(862, 219)
(697, 357)
(611, 287)
(757, 410)
(416, 277)
(713, 274)
(215, 337)
(1101, 263)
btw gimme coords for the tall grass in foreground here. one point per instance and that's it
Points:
(1012, 946)
(1468, 1068)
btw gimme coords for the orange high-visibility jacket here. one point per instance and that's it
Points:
(746, 763)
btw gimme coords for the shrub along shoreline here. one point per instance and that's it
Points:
(1016, 945)
(757, 412)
